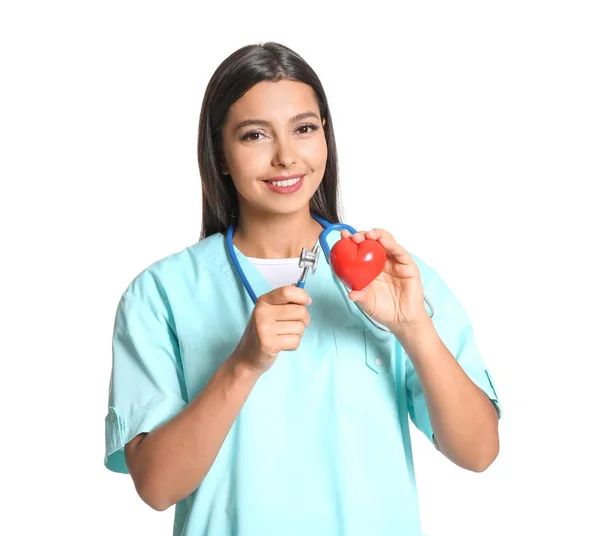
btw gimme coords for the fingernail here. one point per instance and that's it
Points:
(309, 300)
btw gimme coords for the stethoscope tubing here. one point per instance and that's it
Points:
(327, 228)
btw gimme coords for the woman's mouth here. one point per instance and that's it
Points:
(288, 186)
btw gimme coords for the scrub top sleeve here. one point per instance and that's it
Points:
(146, 384)
(454, 329)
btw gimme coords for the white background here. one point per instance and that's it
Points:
(482, 117)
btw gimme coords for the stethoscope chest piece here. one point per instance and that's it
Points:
(308, 261)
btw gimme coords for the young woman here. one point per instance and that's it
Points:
(288, 416)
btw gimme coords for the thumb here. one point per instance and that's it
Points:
(359, 296)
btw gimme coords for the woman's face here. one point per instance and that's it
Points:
(273, 132)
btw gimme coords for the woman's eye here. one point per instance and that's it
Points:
(249, 135)
(302, 129)
(310, 126)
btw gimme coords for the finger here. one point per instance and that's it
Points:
(345, 233)
(289, 328)
(292, 312)
(381, 233)
(396, 251)
(289, 342)
(287, 294)
(358, 295)
(358, 237)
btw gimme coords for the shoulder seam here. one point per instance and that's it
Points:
(130, 295)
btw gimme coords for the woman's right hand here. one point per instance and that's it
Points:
(277, 323)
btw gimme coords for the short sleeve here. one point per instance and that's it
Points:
(146, 384)
(454, 329)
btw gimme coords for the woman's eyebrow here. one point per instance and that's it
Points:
(263, 123)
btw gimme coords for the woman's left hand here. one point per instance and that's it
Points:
(395, 297)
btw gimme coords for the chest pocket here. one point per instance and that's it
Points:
(366, 370)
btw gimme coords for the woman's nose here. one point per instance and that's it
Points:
(284, 153)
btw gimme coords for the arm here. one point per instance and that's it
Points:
(170, 462)
(464, 420)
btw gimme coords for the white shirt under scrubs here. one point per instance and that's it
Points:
(322, 446)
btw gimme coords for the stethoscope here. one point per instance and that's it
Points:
(308, 261)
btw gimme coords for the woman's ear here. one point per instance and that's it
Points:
(223, 166)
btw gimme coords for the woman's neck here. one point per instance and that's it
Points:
(276, 236)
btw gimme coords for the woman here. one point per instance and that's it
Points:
(288, 415)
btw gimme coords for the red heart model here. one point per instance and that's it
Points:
(357, 265)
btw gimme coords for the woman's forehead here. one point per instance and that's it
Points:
(274, 101)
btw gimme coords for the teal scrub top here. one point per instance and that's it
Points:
(322, 444)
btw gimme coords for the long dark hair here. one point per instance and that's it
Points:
(235, 76)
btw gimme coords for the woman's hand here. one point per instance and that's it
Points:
(277, 323)
(395, 297)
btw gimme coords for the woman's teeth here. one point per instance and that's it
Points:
(288, 182)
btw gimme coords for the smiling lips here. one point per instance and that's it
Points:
(285, 185)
